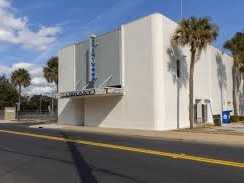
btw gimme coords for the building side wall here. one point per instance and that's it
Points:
(158, 72)
(136, 108)
(206, 79)
(221, 81)
(240, 98)
(69, 110)
(176, 91)
(67, 69)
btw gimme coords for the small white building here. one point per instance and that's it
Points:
(132, 78)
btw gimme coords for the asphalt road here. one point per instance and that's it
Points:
(25, 159)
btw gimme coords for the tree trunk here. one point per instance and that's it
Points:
(191, 88)
(56, 86)
(234, 89)
(18, 109)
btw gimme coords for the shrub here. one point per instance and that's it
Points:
(237, 118)
(217, 121)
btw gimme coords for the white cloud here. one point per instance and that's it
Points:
(38, 81)
(34, 90)
(15, 30)
(39, 85)
(4, 70)
(4, 4)
(20, 65)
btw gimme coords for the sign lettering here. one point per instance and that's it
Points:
(78, 93)
(92, 59)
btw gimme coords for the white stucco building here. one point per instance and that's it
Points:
(139, 81)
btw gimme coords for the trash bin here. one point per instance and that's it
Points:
(226, 116)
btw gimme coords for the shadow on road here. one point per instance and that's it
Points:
(83, 169)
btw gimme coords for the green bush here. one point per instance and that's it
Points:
(236, 118)
(217, 121)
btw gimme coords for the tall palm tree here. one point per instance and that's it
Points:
(19, 78)
(50, 71)
(236, 46)
(197, 33)
(51, 74)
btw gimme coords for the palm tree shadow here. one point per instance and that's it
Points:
(83, 169)
(221, 71)
(222, 77)
(179, 75)
(174, 54)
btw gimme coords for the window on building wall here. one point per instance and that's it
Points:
(178, 68)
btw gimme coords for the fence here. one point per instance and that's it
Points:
(37, 115)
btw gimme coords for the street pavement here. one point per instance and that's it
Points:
(227, 135)
(30, 155)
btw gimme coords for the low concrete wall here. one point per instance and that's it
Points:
(9, 113)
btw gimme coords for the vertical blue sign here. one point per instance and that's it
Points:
(92, 59)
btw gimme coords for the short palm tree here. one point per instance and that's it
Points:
(197, 33)
(236, 47)
(51, 71)
(19, 78)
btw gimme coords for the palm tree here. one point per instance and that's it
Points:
(20, 77)
(236, 47)
(197, 33)
(51, 71)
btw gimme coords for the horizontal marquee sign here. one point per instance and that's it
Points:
(77, 93)
(92, 92)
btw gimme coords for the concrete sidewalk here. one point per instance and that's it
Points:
(236, 128)
(7, 121)
(181, 135)
(27, 121)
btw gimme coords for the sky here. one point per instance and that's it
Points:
(33, 31)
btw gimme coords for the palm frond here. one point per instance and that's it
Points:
(195, 32)
(21, 77)
(50, 71)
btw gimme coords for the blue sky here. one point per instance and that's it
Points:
(35, 30)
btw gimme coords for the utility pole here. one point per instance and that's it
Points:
(181, 9)
(52, 105)
(40, 107)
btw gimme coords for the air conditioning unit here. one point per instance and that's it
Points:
(202, 111)
(198, 111)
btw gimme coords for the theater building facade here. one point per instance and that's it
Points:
(133, 78)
